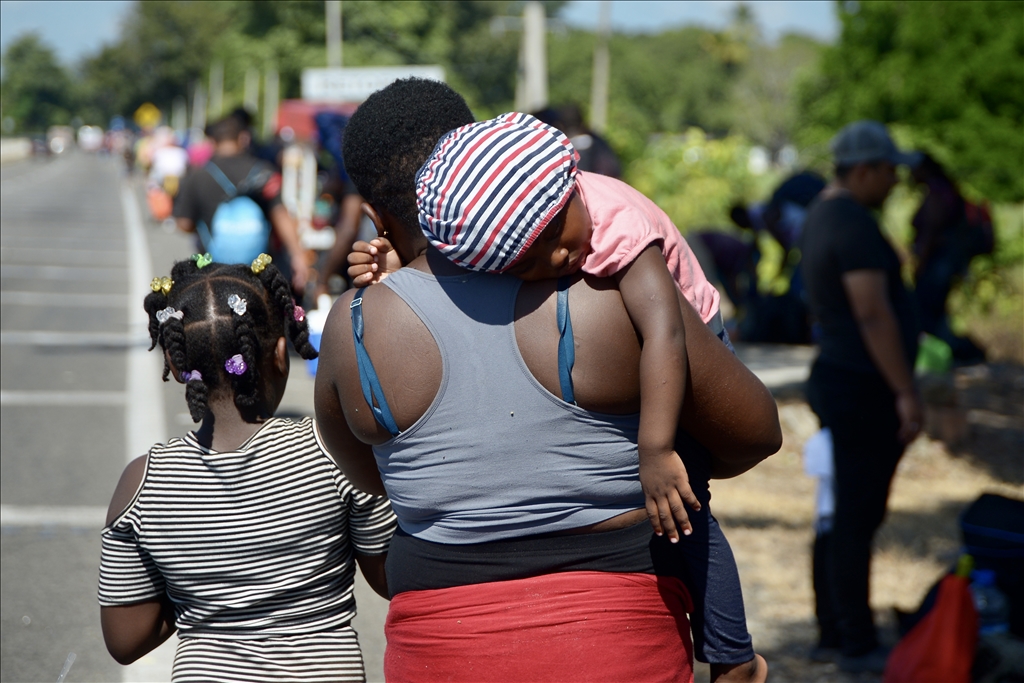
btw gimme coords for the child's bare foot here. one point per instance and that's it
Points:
(754, 671)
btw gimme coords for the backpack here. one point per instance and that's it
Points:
(240, 230)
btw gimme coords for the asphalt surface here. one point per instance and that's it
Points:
(81, 396)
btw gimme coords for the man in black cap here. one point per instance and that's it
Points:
(862, 383)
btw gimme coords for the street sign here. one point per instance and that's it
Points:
(348, 84)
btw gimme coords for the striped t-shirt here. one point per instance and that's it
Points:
(254, 544)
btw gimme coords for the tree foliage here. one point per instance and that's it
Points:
(166, 47)
(723, 82)
(950, 72)
(36, 91)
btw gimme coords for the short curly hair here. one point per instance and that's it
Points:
(390, 137)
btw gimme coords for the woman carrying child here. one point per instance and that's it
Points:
(508, 446)
(243, 535)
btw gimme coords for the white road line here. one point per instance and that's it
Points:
(15, 241)
(69, 273)
(63, 299)
(91, 516)
(95, 339)
(18, 255)
(144, 414)
(144, 417)
(62, 398)
(779, 377)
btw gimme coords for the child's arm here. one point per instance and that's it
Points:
(370, 262)
(131, 631)
(650, 297)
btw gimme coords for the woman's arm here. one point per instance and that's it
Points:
(726, 406)
(337, 354)
(372, 567)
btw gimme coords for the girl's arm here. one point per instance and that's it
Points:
(131, 631)
(650, 297)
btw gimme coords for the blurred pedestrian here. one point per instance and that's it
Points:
(862, 383)
(238, 235)
(168, 167)
(948, 233)
(596, 155)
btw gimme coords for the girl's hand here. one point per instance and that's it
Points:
(370, 262)
(666, 487)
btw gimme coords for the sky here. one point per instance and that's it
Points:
(776, 17)
(75, 29)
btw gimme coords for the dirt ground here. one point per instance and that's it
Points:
(974, 444)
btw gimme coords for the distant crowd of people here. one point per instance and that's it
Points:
(519, 407)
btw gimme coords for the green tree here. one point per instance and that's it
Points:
(667, 82)
(164, 48)
(36, 90)
(949, 72)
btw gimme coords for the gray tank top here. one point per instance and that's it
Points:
(496, 455)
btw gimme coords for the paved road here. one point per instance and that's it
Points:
(80, 397)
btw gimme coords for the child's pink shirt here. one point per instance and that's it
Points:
(625, 223)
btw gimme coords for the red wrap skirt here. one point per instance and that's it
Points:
(572, 626)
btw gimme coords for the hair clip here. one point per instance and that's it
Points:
(165, 314)
(202, 260)
(161, 284)
(237, 304)
(235, 365)
(260, 262)
(194, 376)
(299, 314)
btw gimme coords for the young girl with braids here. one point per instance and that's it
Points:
(243, 535)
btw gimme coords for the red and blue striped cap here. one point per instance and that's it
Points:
(490, 188)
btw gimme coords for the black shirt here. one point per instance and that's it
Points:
(839, 236)
(201, 194)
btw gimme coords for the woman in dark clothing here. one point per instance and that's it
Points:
(944, 246)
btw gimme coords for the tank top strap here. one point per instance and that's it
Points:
(373, 393)
(566, 342)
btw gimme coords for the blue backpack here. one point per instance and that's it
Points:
(240, 230)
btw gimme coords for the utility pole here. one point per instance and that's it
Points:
(179, 115)
(251, 101)
(270, 97)
(216, 89)
(199, 107)
(532, 84)
(332, 9)
(602, 70)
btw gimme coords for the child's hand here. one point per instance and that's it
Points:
(370, 262)
(666, 488)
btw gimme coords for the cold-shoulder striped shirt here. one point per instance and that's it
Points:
(255, 544)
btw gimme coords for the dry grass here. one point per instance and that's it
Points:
(767, 515)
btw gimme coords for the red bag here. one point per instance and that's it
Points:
(940, 648)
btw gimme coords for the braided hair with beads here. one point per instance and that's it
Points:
(192, 321)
